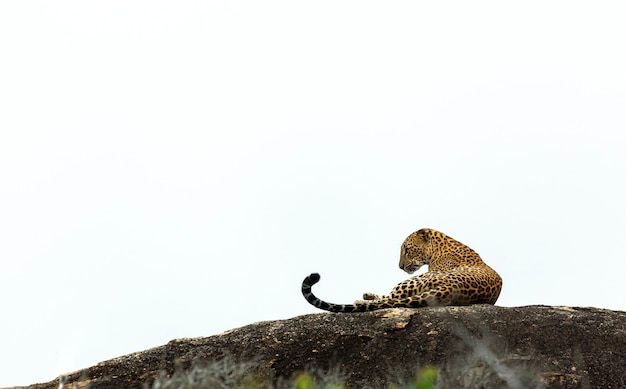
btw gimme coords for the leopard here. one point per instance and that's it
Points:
(456, 276)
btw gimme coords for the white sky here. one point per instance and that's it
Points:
(175, 169)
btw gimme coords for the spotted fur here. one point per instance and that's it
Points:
(456, 276)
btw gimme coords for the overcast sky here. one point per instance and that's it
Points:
(175, 169)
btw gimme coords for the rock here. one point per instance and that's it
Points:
(472, 346)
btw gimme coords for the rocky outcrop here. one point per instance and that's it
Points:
(474, 346)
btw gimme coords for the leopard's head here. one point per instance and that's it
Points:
(415, 251)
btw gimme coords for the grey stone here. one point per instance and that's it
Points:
(472, 346)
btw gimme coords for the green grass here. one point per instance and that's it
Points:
(479, 367)
(228, 374)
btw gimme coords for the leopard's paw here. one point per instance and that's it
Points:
(371, 296)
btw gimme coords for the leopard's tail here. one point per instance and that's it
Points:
(321, 304)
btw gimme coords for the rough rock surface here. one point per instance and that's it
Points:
(475, 346)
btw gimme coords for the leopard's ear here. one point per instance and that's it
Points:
(424, 234)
